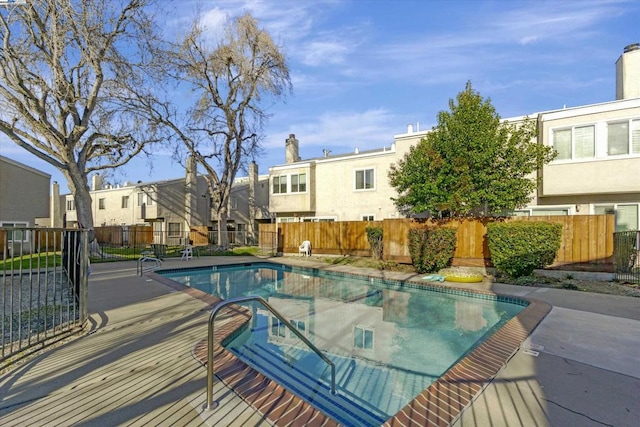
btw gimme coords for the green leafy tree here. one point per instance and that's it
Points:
(471, 164)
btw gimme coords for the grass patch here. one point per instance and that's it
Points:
(240, 250)
(32, 261)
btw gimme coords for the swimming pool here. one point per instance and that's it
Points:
(389, 340)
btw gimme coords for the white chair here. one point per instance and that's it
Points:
(187, 253)
(305, 248)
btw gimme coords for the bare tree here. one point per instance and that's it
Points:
(222, 127)
(64, 67)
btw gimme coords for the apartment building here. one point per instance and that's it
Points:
(26, 206)
(345, 187)
(248, 204)
(173, 207)
(597, 169)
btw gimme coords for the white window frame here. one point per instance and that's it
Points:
(296, 324)
(125, 202)
(368, 217)
(298, 175)
(144, 199)
(277, 325)
(102, 203)
(571, 210)
(173, 233)
(364, 180)
(279, 178)
(632, 149)
(362, 330)
(572, 130)
(71, 205)
(615, 206)
(16, 224)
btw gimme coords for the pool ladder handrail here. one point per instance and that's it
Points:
(210, 403)
(157, 263)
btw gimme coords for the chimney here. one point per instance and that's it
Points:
(55, 214)
(409, 128)
(628, 73)
(96, 182)
(291, 149)
(253, 185)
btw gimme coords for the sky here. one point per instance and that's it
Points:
(362, 70)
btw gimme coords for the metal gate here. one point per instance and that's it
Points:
(626, 256)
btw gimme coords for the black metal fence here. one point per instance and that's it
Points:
(626, 256)
(129, 243)
(44, 277)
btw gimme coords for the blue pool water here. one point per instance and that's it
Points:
(388, 340)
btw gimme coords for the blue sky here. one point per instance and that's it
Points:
(363, 70)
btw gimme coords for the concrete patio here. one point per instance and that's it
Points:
(136, 367)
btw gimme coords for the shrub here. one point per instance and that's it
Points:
(374, 236)
(519, 247)
(431, 249)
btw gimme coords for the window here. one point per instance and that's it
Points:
(555, 210)
(299, 183)
(300, 325)
(144, 199)
(363, 337)
(280, 184)
(635, 136)
(233, 201)
(574, 143)
(278, 329)
(623, 138)
(125, 202)
(368, 218)
(627, 215)
(71, 205)
(101, 203)
(617, 138)
(364, 179)
(550, 211)
(16, 235)
(175, 229)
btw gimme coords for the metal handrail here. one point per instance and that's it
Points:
(210, 403)
(144, 257)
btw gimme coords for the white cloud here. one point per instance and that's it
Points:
(366, 129)
(319, 53)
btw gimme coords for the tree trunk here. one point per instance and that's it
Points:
(222, 229)
(82, 197)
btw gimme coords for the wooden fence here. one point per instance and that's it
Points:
(587, 240)
(141, 235)
(30, 240)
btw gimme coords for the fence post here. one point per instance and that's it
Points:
(84, 276)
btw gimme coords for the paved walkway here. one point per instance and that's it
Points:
(136, 367)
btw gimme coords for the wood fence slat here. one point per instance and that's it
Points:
(586, 239)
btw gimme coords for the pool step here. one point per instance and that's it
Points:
(312, 389)
(375, 387)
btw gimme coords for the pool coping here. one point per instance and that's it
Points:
(441, 404)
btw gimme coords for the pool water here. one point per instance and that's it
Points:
(388, 340)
